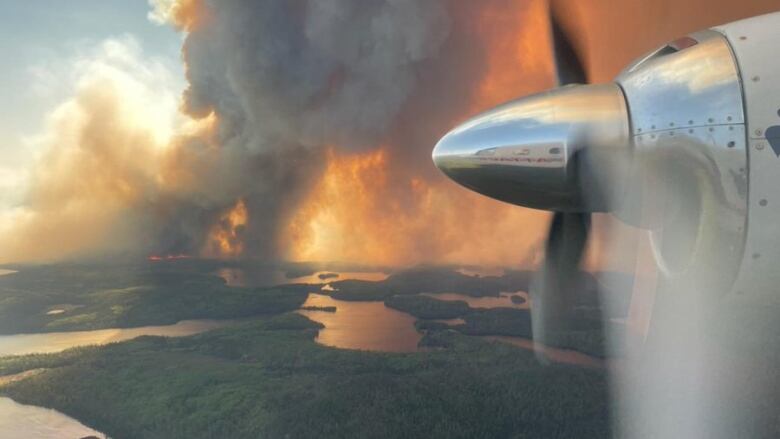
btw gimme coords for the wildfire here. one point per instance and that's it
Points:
(368, 208)
(158, 258)
(322, 228)
(363, 210)
(225, 240)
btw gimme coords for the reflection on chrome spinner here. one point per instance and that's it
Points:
(547, 151)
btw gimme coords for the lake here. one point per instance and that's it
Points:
(372, 326)
(238, 277)
(363, 325)
(503, 301)
(21, 344)
(31, 422)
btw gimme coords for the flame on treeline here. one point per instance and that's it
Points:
(226, 240)
(363, 211)
(368, 209)
(158, 258)
(324, 228)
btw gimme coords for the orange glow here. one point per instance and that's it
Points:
(186, 14)
(158, 258)
(362, 211)
(519, 62)
(368, 209)
(320, 228)
(225, 240)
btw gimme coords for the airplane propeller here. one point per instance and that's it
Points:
(552, 292)
(567, 151)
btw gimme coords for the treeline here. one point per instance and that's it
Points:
(425, 307)
(123, 296)
(430, 280)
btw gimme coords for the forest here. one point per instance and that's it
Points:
(268, 378)
(265, 375)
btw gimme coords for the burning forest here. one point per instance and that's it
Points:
(303, 133)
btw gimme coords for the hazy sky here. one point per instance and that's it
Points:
(39, 43)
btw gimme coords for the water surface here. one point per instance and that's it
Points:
(503, 301)
(238, 277)
(363, 325)
(22, 344)
(374, 327)
(31, 422)
(482, 271)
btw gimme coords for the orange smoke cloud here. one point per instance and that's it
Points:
(225, 240)
(100, 159)
(363, 211)
(518, 61)
(116, 161)
(367, 208)
(184, 14)
(119, 173)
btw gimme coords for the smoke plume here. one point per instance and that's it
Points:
(304, 131)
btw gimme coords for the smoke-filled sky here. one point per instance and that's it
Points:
(298, 135)
(40, 42)
(295, 129)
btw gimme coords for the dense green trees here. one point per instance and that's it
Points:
(268, 378)
(426, 307)
(100, 297)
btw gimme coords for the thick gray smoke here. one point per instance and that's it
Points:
(289, 78)
(309, 73)
(277, 84)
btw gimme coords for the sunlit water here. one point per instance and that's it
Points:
(372, 326)
(239, 277)
(31, 422)
(363, 325)
(481, 271)
(503, 301)
(21, 344)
